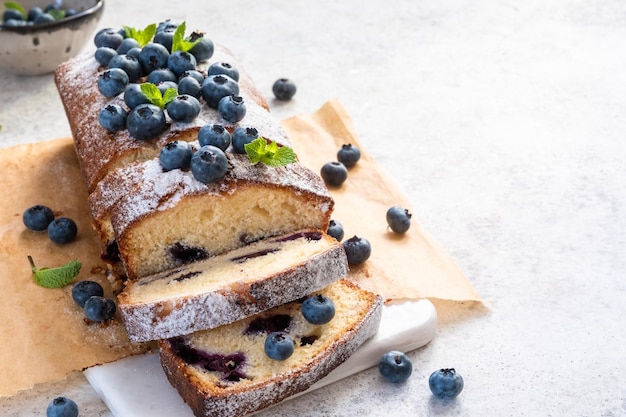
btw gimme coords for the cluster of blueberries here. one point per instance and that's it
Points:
(173, 73)
(41, 218)
(13, 17)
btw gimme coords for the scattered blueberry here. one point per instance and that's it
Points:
(133, 96)
(153, 56)
(112, 82)
(62, 407)
(242, 136)
(83, 290)
(279, 346)
(184, 108)
(318, 309)
(398, 219)
(223, 68)
(179, 62)
(395, 366)
(215, 135)
(37, 217)
(284, 89)
(62, 230)
(335, 229)
(113, 118)
(232, 108)
(209, 164)
(334, 173)
(146, 121)
(176, 154)
(160, 75)
(348, 155)
(215, 87)
(203, 49)
(358, 250)
(99, 309)
(445, 383)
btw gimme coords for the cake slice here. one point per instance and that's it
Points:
(229, 287)
(225, 372)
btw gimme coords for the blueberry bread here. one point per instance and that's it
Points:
(230, 287)
(226, 372)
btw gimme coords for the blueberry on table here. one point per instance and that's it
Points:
(279, 346)
(62, 407)
(184, 108)
(284, 89)
(99, 309)
(113, 118)
(175, 155)
(209, 164)
(395, 366)
(146, 121)
(242, 136)
(335, 229)
(348, 155)
(398, 219)
(62, 230)
(334, 173)
(232, 108)
(37, 217)
(318, 309)
(215, 135)
(445, 383)
(358, 250)
(83, 290)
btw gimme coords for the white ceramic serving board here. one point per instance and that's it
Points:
(137, 386)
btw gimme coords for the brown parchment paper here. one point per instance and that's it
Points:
(45, 336)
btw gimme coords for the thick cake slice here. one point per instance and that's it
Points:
(155, 220)
(225, 372)
(231, 286)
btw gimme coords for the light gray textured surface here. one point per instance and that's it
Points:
(504, 122)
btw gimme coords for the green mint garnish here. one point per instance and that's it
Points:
(16, 6)
(153, 94)
(179, 42)
(57, 14)
(142, 36)
(55, 277)
(269, 153)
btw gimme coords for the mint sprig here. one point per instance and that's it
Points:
(55, 277)
(269, 153)
(179, 42)
(154, 95)
(13, 5)
(142, 36)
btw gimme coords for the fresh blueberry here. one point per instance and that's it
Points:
(70, 12)
(223, 68)
(284, 89)
(62, 230)
(108, 37)
(242, 136)
(279, 346)
(129, 64)
(395, 366)
(165, 37)
(195, 74)
(184, 108)
(146, 121)
(62, 407)
(133, 96)
(12, 14)
(44, 18)
(189, 86)
(163, 86)
(112, 82)
(358, 250)
(104, 54)
(99, 308)
(153, 56)
(318, 309)
(134, 52)
(348, 155)
(398, 219)
(126, 45)
(209, 164)
(179, 62)
(113, 117)
(445, 383)
(215, 87)
(33, 12)
(203, 49)
(55, 5)
(37, 217)
(167, 25)
(215, 135)
(175, 154)
(335, 229)
(334, 173)
(161, 74)
(83, 290)
(232, 108)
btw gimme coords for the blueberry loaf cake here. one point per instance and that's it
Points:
(230, 287)
(243, 367)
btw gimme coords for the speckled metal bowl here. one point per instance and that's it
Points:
(39, 49)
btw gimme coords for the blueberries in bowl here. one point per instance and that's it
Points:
(16, 15)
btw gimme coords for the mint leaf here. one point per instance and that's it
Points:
(154, 96)
(170, 94)
(55, 277)
(179, 42)
(142, 36)
(57, 14)
(269, 153)
(13, 5)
